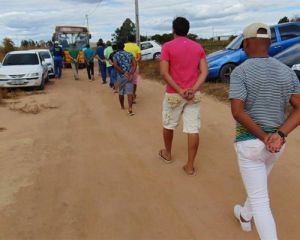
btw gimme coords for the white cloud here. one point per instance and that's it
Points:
(35, 19)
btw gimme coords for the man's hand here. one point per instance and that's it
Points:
(274, 142)
(128, 75)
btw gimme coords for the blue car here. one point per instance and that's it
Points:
(222, 63)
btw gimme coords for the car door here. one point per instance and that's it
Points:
(43, 65)
(287, 35)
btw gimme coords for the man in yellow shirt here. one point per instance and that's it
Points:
(135, 50)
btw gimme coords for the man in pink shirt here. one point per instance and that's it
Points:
(183, 66)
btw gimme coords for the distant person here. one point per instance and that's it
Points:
(101, 60)
(135, 50)
(260, 90)
(74, 56)
(125, 65)
(107, 51)
(89, 55)
(58, 56)
(113, 74)
(183, 66)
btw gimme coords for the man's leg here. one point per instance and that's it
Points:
(193, 144)
(168, 140)
(55, 68)
(92, 70)
(60, 68)
(88, 70)
(254, 171)
(103, 72)
(121, 100)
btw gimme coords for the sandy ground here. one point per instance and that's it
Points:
(74, 166)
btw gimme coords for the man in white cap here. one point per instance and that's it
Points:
(260, 90)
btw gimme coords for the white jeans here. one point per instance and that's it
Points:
(255, 165)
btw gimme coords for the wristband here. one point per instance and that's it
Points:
(281, 134)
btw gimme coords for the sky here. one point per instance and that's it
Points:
(36, 19)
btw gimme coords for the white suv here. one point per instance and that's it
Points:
(46, 55)
(23, 69)
(150, 50)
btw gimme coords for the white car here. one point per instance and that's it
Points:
(23, 69)
(47, 56)
(150, 50)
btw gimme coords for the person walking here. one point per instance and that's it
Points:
(101, 60)
(89, 55)
(107, 51)
(125, 65)
(74, 56)
(135, 50)
(260, 90)
(58, 56)
(184, 68)
(113, 74)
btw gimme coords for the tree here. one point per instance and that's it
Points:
(193, 36)
(283, 20)
(127, 28)
(8, 45)
(296, 18)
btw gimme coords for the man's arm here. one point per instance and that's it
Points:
(164, 72)
(293, 119)
(203, 74)
(239, 114)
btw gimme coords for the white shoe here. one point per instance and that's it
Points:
(246, 226)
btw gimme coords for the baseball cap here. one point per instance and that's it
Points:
(56, 42)
(251, 31)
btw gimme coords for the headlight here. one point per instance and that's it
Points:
(34, 74)
(3, 76)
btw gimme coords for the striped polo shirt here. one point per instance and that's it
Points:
(266, 86)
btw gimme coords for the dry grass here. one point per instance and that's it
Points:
(150, 70)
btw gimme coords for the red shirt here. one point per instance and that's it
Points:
(184, 57)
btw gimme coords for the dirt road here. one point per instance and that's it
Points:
(80, 168)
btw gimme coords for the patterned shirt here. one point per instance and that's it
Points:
(124, 60)
(266, 86)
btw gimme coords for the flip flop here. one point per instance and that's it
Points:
(193, 173)
(131, 113)
(163, 157)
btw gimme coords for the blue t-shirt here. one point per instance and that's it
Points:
(100, 52)
(124, 60)
(88, 53)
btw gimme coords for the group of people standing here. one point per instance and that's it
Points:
(260, 90)
(119, 61)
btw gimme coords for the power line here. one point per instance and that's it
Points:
(94, 10)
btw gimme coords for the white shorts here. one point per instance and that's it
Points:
(174, 106)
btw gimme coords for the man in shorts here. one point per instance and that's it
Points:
(135, 50)
(183, 66)
(125, 65)
(260, 90)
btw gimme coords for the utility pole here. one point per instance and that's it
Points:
(137, 23)
(87, 20)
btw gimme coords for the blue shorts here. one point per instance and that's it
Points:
(125, 86)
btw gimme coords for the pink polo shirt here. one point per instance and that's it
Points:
(184, 57)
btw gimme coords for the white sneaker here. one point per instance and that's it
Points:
(246, 226)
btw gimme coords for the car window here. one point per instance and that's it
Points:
(289, 31)
(273, 35)
(45, 54)
(290, 56)
(21, 59)
(235, 43)
(146, 46)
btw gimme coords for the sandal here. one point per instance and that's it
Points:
(166, 160)
(130, 113)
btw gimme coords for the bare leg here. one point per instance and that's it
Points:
(134, 91)
(130, 100)
(193, 143)
(121, 99)
(168, 139)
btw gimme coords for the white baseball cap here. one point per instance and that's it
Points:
(251, 31)
(56, 42)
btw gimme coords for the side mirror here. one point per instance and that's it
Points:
(90, 36)
(296, 67)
